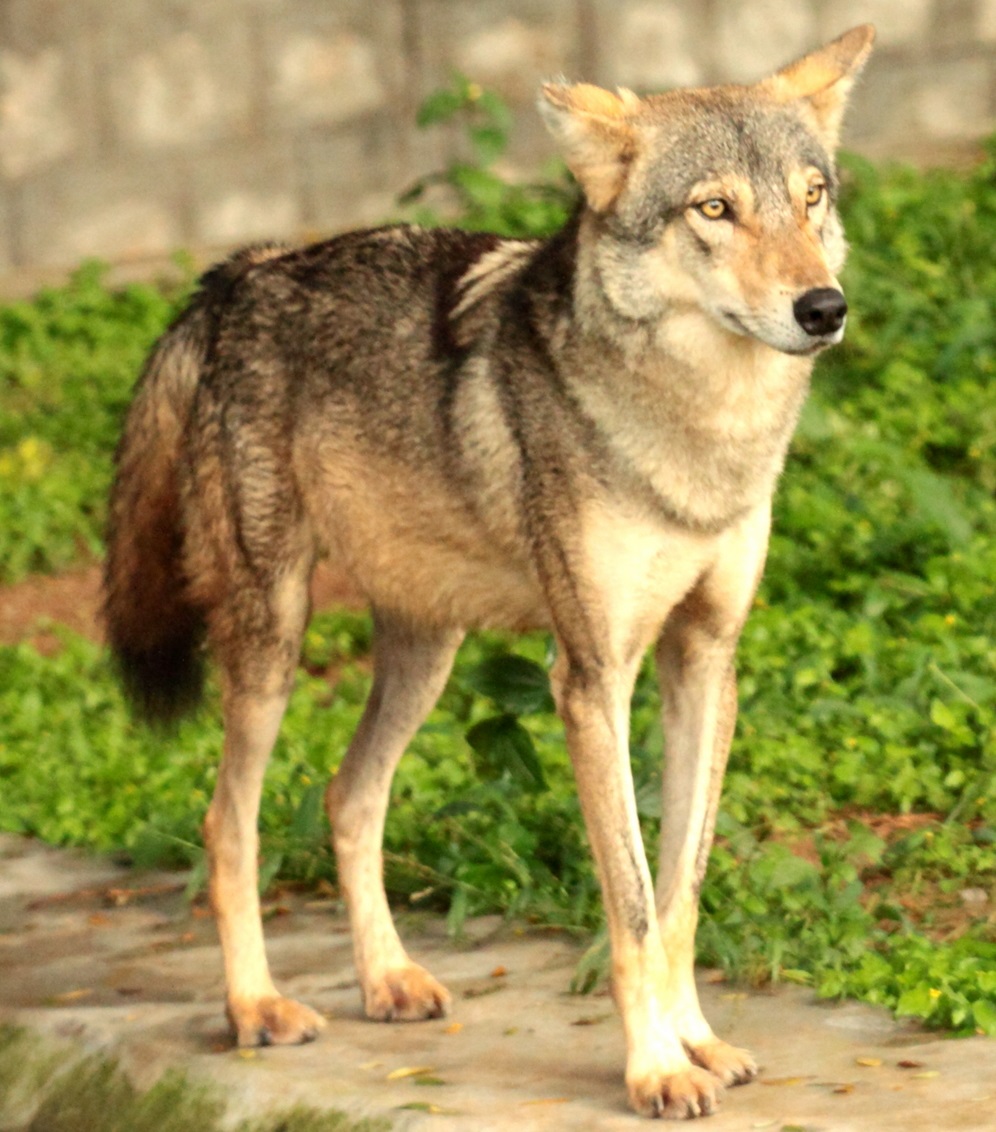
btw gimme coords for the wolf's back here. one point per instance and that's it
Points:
(154, 629)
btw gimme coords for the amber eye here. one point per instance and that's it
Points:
(814, 194)
(715, 209)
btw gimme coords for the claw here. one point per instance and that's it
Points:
(406, 994)
(684, 1095)
(273, 1021)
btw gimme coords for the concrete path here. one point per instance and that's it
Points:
(121, 962)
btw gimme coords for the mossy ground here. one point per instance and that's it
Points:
(49, 1089)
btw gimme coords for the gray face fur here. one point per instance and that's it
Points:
(749, 269)
(714, 135)
(719, 200)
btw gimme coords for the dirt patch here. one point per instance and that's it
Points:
(31, 610)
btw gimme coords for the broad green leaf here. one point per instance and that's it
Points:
(489, 143)
(503, 746)
(916, 1002)
(984, 1015)
(520, 686)
(943, 716)
(440, 106)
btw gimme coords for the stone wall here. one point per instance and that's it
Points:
(129, 128)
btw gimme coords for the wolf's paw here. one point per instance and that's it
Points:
(675, 1096)
(731, 1065)
(273, 1021)
(406, 994)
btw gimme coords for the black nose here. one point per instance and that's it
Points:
(820, 311)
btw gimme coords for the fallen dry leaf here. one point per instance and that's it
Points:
(908, 1063)
(424, 1106)
(81, 895)
(480, 992)
(409, 1071)
(119, 897)
(71, 996)
(868, 1062)
(785, 1080)
(499, 972)
(453, 1028)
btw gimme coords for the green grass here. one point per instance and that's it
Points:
(68, 360)
(868, 667)
(93, 1094)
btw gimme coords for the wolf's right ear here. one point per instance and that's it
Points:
(595, 134)
(822, 80)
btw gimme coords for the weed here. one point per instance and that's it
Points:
(58, 1091)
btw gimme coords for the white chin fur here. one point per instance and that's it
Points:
(788, 339)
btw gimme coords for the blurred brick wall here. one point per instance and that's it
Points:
(129, 128)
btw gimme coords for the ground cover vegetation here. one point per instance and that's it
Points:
(855, 849)
(56, 1088)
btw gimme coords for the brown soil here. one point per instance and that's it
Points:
(31, 610)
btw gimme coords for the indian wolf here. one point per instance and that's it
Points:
(581, 434)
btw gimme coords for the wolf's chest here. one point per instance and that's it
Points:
(700, 433)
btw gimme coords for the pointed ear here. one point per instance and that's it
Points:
(594, 130)
(823, 79)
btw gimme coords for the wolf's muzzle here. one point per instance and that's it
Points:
(820, 311)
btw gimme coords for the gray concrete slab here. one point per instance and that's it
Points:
(122, 963)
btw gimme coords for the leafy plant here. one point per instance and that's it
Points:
(472, 192)
(68, 360)
(60, 1090)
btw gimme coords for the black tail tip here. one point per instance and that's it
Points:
(163, 684)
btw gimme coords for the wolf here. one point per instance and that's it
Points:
(581, 434)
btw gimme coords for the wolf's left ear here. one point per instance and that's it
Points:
(595, 134)
(823, 79)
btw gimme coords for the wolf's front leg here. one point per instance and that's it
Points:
(410, 669)
(660, 1077)
(699, 699)
(699, 712)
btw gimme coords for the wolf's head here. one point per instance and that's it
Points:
(721, 199)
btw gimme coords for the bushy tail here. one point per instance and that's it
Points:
(154, 629)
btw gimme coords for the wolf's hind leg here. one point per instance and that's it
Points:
(258, 663)
(410, 670)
